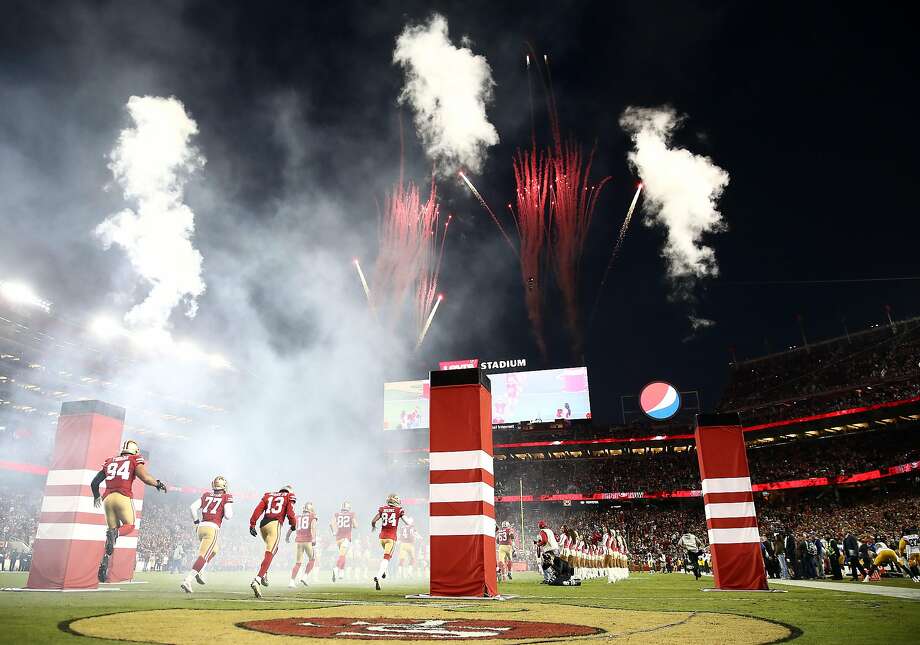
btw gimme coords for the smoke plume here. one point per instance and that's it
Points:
(449, 88)
(681, 193)
(152, 161)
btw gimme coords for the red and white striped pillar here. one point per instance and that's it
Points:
(461, 492)
(71, 531)
(734, 538)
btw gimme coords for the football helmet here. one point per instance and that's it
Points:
(287, 487)
(346, 506)
(130, 447)
(541, 524)
(506, 524)
(219, 483)
(393, 500)
(308, 507)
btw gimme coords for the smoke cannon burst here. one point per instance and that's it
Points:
(151, 162)
(681, 193)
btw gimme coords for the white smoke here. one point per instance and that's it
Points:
(681, 192)
(448, 87)
(152, 162)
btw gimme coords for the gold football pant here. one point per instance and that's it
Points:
(304, 548)
(207, 542)
(271, 535)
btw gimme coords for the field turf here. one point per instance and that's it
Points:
(813, 616)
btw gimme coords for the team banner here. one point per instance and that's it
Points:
(728, 497)
(461, 490)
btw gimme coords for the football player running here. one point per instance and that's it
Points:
(273, 508)
(306, 543)
(504, 537)
(342, 524)
(389, 517)
(119, 473)
(208, 513)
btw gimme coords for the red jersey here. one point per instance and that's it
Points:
(505, 536)
(213, 505)
(275, 506)
(389, 521)
(304, 528)
(406, 533)
(344, 522)
(120, 472)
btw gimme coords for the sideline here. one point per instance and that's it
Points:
(855, 587)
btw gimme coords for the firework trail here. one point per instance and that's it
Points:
(367, 291)
(531, 214)
(429, 273)
(488, 210)
(616, 250)
(421, 336)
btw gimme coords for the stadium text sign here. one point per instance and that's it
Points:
(484, 365)
(501, 365)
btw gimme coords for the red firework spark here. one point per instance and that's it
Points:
(573, 201)
(411, 246)
(532, 183)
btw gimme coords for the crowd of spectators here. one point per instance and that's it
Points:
(669, 471)
(877, 365)
(653, 528)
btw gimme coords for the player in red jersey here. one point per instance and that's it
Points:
(119, 473)
(389, 517)
(208, 513)
(342, 524)
(274, 508)
(504, 537)
(306, 543)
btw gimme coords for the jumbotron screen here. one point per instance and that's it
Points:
(545, 395)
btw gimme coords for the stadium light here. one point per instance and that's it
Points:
(159, 341)
(106, 327)
(22, 294)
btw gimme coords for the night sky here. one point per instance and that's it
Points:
(808, 106)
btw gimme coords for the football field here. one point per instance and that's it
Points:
(645, 608)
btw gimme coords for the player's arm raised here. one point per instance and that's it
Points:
(149, 479)
(193, 508)
(256, 514)
(94, 485)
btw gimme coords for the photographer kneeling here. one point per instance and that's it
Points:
(558, 572)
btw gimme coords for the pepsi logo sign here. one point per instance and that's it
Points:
(659, 400)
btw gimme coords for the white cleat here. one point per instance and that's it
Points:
(303, 581)
(256, 586)
(186, 587)
(292, 585)
(199, 579)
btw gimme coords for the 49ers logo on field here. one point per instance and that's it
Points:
(414, 629)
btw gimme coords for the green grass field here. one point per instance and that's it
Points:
(816, 616)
